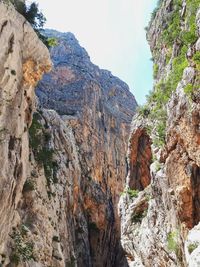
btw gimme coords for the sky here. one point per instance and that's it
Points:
(112, 32)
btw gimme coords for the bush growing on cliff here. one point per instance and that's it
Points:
(29, 185)
(22, 250)
(143, 111)
(196, 59)
(36, 18)
(155, 70)
(192, 247)
(172, 242)
(39, 142)
(131, 192)
(138, 216)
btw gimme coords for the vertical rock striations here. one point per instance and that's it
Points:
(99, 108)
(63, 165)
(157, 220)
(23, 60)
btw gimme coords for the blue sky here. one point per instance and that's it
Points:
(112, 32)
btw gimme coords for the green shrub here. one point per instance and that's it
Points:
(137, 217)
(35, 17)
(155, 70)
(132, 193)
(171, 31)
(52, 42)
(158, 166)
(22, 250)
(172, 242)
(161, 132)
(39, 142)
(143, 111)
(196, 58)
(56, 239)
(188, 90)
(192, 247)
(188, 37)
(13, 72)
(29, 185)
(178, 65)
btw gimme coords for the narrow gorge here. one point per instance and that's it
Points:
(88, 178)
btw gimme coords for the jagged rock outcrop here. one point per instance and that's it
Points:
(23, 60)
(62, 166)
(157, 223)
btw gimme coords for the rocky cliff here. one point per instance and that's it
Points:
(64, 161)
(160, 206)
(99, 108)
(63, 165)
(23, 60)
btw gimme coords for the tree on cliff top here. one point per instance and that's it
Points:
(36, 18)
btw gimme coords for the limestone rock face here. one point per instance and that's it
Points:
(159, 224)
(63, 166)
(99, 107)
(23, 60)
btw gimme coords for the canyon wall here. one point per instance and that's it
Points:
(62, 154)
(99, 108)
(160, 207)
(23, 60)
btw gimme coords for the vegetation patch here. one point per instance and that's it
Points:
(172, 242)
(39, 142)
(29, 185)
(143, 111)
(22, 250)
(13, 72)
(56, 239)
(35, 17)
(131, 192)
(138, 216)
(155, 70)
(192, 247)
(188, 90)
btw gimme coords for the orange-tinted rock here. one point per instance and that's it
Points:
(139, 159)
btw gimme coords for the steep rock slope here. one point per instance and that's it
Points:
(23, 60)
(62, 170)
(157, 222)
(99, 108)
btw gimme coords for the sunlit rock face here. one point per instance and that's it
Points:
(160, 223)
(23, 60)
(99, 108)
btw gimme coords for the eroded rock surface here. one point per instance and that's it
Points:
(99, 107)
(156, 221)
(63, 165)
(23, 60)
